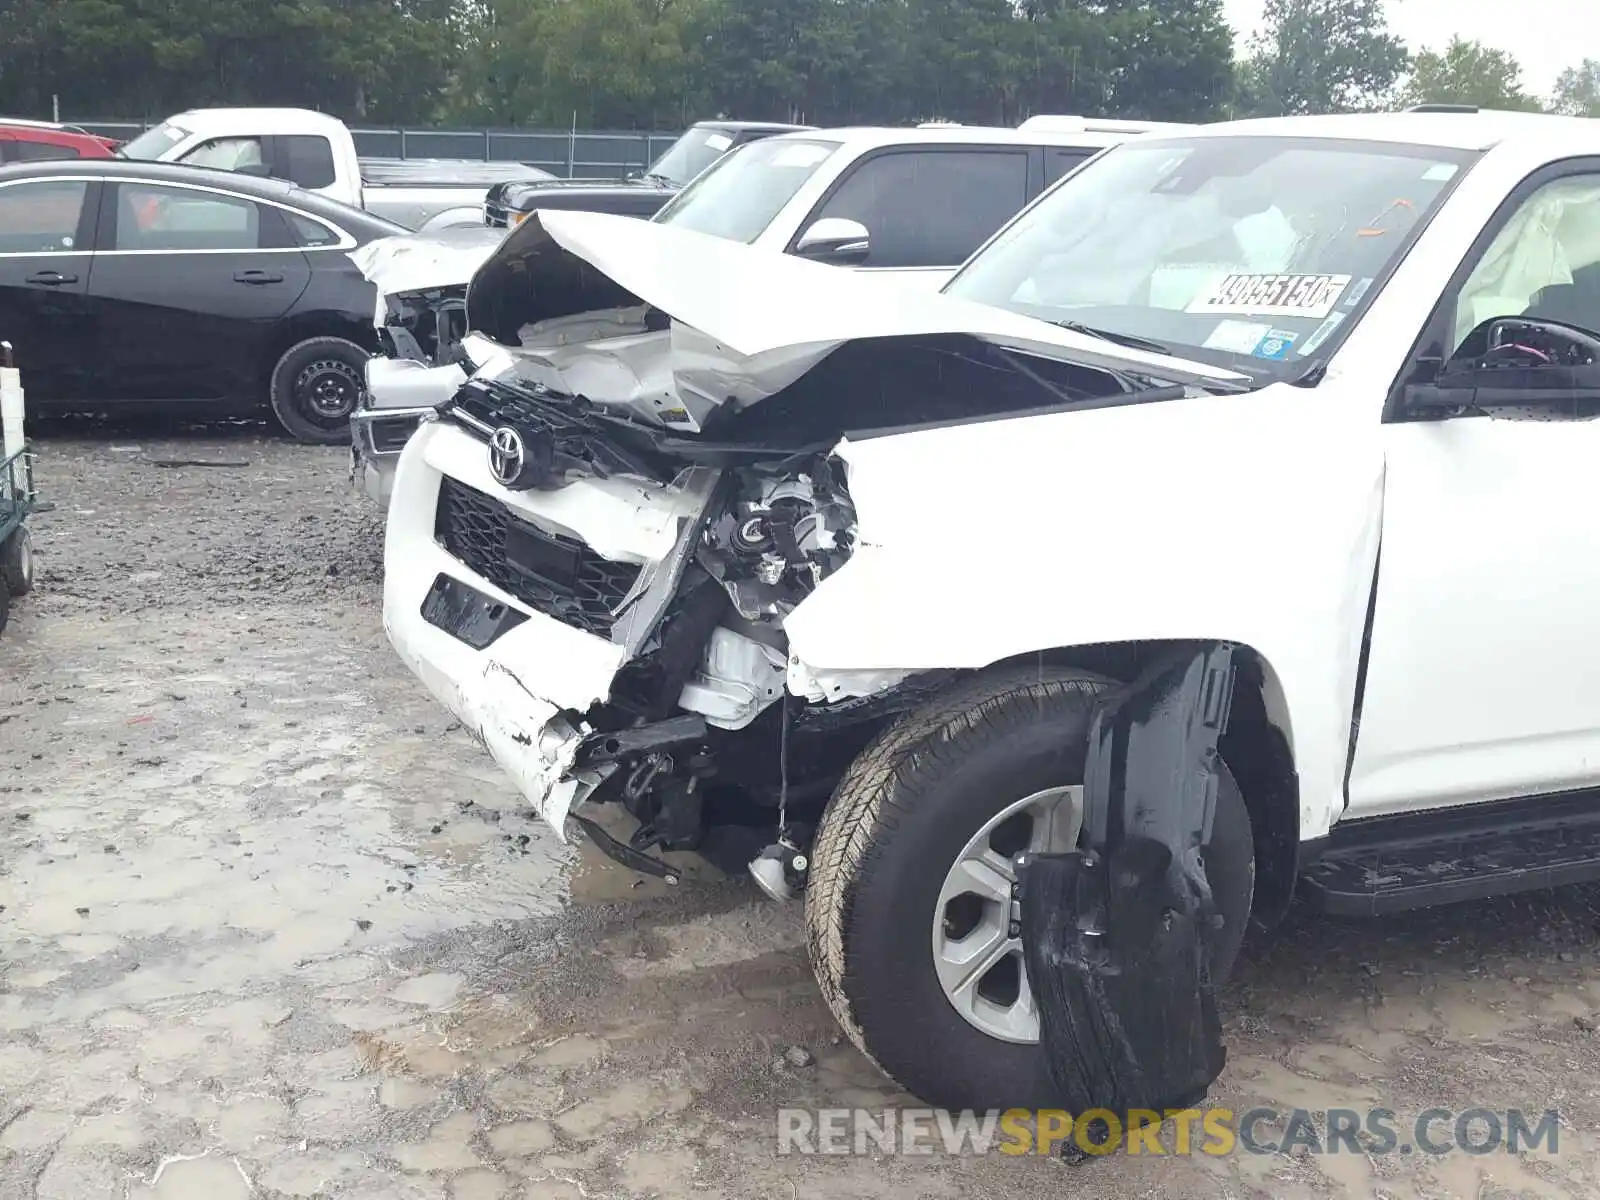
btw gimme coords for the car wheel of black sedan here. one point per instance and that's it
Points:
(316, 387)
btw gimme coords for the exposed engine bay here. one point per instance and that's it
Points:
(699, 735)
(425, 326)
(684, 492)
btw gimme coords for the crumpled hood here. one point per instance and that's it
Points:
(422, 262)
(745, 323)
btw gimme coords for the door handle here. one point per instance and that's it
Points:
(257, 277)
(51, 278)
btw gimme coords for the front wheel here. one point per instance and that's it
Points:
(315, 389)
(16, 562)
(907, 907)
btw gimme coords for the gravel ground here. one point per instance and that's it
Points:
(271, 926)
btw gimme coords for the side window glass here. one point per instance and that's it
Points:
(161, 218)
(312, 234)
(227, 154)
(1062, 162)
(41, 217)
(1545, 262)
(44, 152)
(930, 208)
(308, 160)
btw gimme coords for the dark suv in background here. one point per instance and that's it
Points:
(639, 195)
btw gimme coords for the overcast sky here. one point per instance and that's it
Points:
(1545, 35)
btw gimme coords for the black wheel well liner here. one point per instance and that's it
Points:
(1255, 747)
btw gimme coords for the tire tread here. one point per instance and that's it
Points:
(298, 427)
(881, 787)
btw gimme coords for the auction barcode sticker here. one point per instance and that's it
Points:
(1272, 295)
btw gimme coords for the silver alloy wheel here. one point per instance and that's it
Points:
(976, 955)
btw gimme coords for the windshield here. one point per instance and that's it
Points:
(690, 154)
(738, 197)
(1242, 251)
(150, 145)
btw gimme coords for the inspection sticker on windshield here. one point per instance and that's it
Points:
(1239, 337)
(1276, 345)
(1272, 295)
(718, 141)
(1322, 333)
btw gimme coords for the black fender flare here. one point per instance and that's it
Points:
(1115, 935)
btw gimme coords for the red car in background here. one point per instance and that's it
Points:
(36, 141)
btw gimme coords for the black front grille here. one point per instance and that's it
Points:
(576, 586)
(495, 215)
(504, 407)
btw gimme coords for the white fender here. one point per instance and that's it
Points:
(1251, 518)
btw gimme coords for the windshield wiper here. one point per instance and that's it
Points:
(658, 177)
(1131, 341)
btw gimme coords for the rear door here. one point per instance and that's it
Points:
(189, 284)
(46, 233)
(927, 207)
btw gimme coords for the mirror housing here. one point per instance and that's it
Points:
(259, 170)
(1517, 366)
(836, 240)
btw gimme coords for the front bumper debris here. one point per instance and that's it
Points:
(1115, 936)
(377, 436)
(517, 686)
(401, 393)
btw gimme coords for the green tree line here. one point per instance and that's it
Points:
(662, 63)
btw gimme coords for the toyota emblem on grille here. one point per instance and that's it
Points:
(506, 455)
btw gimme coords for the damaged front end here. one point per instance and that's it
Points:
(688, 731)
(1124, 938)
(421, 319)
(593, 552)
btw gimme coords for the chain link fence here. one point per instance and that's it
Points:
(566, 153)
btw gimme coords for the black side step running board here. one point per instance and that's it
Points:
(1416, 860)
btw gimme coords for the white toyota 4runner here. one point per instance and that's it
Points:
(1229, 527)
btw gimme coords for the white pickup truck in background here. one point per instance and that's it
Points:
(318, 153)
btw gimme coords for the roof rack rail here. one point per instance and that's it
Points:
(1064, 123)
(1444, 108)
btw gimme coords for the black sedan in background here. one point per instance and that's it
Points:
(141, 285)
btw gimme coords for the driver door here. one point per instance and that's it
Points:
(1482, 672)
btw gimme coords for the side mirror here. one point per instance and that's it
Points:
(259, 170)
(836, 240)
(1513, 366)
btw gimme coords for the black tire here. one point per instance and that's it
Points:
(316, 387)
(898, 820)
(16, 562)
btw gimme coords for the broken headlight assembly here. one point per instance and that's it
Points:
(786, 528)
